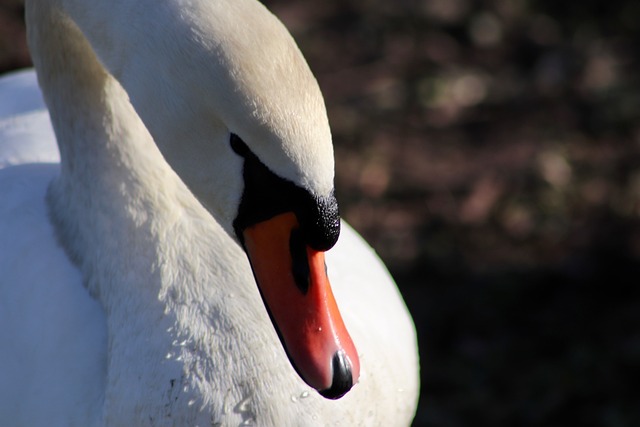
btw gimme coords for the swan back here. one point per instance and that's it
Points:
(25, 128)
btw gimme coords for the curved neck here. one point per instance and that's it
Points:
(93, 68)
(98, 131)
(161, 272)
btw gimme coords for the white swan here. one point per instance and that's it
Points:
(184, 127)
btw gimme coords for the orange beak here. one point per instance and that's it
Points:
(294, 285)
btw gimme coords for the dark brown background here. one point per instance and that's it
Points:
(490, 152)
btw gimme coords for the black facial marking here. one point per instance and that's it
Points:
(320, 220)
(266, 195)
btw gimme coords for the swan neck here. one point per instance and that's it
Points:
(98, 131)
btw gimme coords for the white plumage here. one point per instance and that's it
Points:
(150, 314)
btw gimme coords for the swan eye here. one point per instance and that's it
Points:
(238, 145)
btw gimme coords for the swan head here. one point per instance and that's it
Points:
(285, 230)
(244, 125)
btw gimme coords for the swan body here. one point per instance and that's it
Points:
(125, 296)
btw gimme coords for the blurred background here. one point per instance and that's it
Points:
(490, 152)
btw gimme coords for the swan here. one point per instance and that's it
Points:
(171, 252)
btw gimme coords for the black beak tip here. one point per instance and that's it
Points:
(342, 377)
